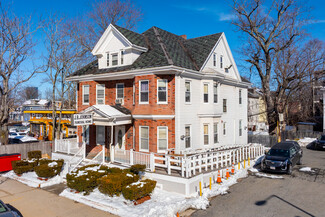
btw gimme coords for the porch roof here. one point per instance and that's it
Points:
(107, 115)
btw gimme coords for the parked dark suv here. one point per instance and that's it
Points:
(320, 142)
(282, 157)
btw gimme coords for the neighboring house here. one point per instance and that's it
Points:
(32, 104)
(158, 92)
(257, 120)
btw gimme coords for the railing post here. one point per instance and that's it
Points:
(168, 164)
(152, 162)
(131, 156)
(200, 163)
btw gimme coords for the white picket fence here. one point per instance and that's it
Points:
(192, 164)
(67, 146)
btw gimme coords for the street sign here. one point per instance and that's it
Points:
(82, 119)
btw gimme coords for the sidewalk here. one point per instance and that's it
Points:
(32, 202)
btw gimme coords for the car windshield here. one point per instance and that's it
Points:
(278, 153)
(2, 208)
(322, 137)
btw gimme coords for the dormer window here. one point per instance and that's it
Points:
(114, 59)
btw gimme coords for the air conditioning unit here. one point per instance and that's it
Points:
(119, 101)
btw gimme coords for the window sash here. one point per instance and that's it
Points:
(162, 90)
(221, 62)
(224, 128)
(122, 57)
(120, 91)
(214, 59)
(114, 59)
(215, 93)
(224, 105)
(85, 94)
(240, 97)
(107, 59)
(144, 138)
(206, 93)
(162, 138)
(240, 128)
(206, 134)
(187, 136)
(100, 94)
(144, 91)
(215, 133)
(187, 91)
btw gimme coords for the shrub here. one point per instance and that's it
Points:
(115, 170)
(46, 170)
(21, 166)
(112, 184)
(137, 168)
(138, 190)
(84, 179)
(34, 154)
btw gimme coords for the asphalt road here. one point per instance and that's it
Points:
(299, 194)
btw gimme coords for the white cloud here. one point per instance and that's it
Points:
(226, 17)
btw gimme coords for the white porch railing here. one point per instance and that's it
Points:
(76, 160)
(192, 164)
(68, 146)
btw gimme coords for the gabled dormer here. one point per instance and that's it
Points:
(221, 61)
(118, 47)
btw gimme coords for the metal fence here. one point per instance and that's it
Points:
(24, 148)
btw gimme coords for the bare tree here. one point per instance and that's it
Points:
(16, 48)
(269, 28)
(88, 28)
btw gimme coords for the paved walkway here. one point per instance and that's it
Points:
(32, 202)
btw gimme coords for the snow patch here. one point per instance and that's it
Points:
(305, 141)
(268, 176)
(53, 164)
(306, 169)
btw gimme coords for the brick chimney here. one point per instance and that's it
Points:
(184, 36)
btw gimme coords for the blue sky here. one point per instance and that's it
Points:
(193, 18)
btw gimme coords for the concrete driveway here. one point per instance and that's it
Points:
(301, 194)
(33, 202)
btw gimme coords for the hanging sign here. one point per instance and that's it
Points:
(82, 119)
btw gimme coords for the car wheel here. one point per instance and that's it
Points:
(300, 161)
(289, 170)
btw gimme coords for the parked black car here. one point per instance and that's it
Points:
(5, 211)
(320, 142)
(282, 157)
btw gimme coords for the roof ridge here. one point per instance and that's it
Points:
(205, 36)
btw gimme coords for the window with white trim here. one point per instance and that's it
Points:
(100, 94)
(120, 91)
(224, 128)
(221, 61)
(240, 128)
(214, 59)
(215, 133)
(85, 94)
(188, 136)
(205, 93)
(224, 105)
(114, 59)
(162, 90)
(240, 97)
(144, 138)
(206, 134)
(107, 59)
(144, 92)
(122, 57)
(162, 138)
(187, 91)
(215, 92)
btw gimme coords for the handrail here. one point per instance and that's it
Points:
(92, 160)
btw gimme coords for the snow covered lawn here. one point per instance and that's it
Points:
(162, 203)
(31, 179)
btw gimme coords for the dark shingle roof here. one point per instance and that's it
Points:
(162, 45)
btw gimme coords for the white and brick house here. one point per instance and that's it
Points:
(157, 91)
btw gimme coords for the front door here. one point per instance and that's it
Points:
(120, 137)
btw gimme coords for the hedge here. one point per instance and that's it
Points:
(138, 190)
(112, 184)
(46, 171)
(21, 166)
(84, 180)
(137, 168)
(34, 154)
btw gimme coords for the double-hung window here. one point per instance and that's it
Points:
(224, 105)
(224, 128)
(187, 136)
(100, 94)
(162, 90)
(205, 93)
(144, 138)
(120, 91)
(107, 59)
(215, 132)
(221, 62)
(214, 59)
(240, 128)
(240, 97)
(187, 91)
(162, 138)
(206, 134)
(215, 92)
(114, 59)
(85, 94)
(122, 57)
(144, 92)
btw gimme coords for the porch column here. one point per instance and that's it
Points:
(111, 146)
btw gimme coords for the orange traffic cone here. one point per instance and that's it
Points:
(233, 169)
(227, 174)
(219, 178)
